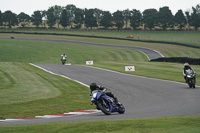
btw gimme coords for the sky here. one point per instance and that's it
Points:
(29, 6)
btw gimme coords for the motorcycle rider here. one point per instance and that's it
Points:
(185, 68)
(94, 86)
(63, 56)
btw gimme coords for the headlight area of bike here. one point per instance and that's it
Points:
(191, 76)
(94, 97)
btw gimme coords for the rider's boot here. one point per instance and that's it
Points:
(117, 102)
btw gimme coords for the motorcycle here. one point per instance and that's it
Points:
(190, 78)
(105, 103)
(63, 60)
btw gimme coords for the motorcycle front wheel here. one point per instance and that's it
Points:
(193, 83)
(105, 108)
(190, 83)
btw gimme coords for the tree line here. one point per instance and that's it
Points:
(75, 18)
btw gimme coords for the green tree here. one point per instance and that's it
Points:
(24, 19)
(57, 13)
(79, 19)
(165, 17)
(37, 18)
(135, 18)
(51, 19)
(195, 19)
(98, 15)
(90, 20)
(150, 18)
(180, 19)
(10, 19)
(71, 10)
(64, 19)
(44, 17)
(198, 9)
(118, 19)
(188, 18)
(1, 18)
(126, 14)
(106, 19)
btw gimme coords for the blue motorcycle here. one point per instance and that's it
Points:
(105, 103)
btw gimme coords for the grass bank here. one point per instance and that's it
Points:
(184, 124)
(168, 36)
(167, 50)
(27, 91)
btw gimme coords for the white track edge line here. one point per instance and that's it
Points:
(59, 75)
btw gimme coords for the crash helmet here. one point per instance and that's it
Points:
(186, 65)
(93, 86)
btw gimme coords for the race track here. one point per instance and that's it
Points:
(151, 54)
(142, 97)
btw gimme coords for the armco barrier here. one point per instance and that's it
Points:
(191, 61)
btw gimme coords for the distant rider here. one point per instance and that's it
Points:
(186, 67)
(94, 86)
(63, 56)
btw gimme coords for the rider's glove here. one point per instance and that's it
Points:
(104, 90)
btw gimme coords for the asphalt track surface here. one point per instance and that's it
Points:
(151, 54)
(142, 97)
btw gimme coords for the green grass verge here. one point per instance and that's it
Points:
(30, 91)
(22, 84)
(167, 50)
(170, 36)
(49, 52)
(185, 124)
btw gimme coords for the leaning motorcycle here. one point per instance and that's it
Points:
(190, 78)
(63, 60)
(105, 103)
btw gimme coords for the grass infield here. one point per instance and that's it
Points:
(184, 124)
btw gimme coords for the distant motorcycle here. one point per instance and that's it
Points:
(105, 103)
(63, 60)
(190, 78)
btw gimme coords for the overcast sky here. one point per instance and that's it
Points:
(29, 6)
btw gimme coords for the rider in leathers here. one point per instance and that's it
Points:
(63, 56)
(94, 86)
(186, 67)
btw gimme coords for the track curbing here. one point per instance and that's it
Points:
(75, 113)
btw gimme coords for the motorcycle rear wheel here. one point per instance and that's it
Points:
(121, 110)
